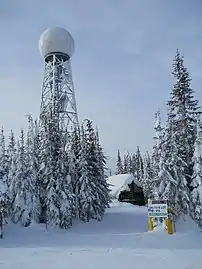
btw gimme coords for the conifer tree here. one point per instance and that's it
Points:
(162, 177)
(127, 164)
(88, 197)
(139, 171)
(133, 164)
(183, 108)
(32, 163)
(48, 196)
(196, 194)
(165, 186)
(168, 168)
(22, 187)
(57, 198)
(148, 178)
(176, 166)
(119, 164)
(103, 186)
(11, 157)
(93, 190)
(5, 202)
(157, 149)
(74, 150)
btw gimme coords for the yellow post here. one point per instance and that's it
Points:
(150, 224)
(169, 225)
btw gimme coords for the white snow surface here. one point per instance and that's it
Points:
(119, 183)
(119, 241)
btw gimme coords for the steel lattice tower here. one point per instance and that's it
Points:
(57, 47)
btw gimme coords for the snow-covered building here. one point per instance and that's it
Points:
(126, 188)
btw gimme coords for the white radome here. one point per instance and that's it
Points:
(56, 39)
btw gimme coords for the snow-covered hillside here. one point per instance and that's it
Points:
(120, 241)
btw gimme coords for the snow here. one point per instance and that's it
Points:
(119, 183)
(119, 241)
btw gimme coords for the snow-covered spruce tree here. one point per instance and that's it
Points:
(5, 202)
(183, 108)
(73, 151)
(177, 168)
(148, 178)
(65, 191)
(58, 198)
(169, 169)
(91, 182)
(119, 164)
(21, 187)
(196, 194)
(87, 196)
(32, 163)
(130, 164)
(139, 171)
(11, 152)
(182, 200)
(161, 176)
(103, 186)
(157, 148)
(127, 164)
(133, 164)
(165, 186)
(49, 211)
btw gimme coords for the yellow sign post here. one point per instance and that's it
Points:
(169, 225)
(150, 224)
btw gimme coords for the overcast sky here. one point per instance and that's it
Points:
(121, 67)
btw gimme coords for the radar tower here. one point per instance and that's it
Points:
(56, 45)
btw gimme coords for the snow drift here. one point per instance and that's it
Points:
(119, 241)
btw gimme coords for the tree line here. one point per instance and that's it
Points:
(173, 170)
(48, 176)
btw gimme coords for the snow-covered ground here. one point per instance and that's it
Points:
(120, 241)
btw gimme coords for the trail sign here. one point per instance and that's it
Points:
(157, 208)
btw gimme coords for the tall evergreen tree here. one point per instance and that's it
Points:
(58, 198)
(93, 190)
(73, 160)
(139, 171)
(148, 177)
(74, 150)
(103, 186)
(5, 202)
(127, 164)
(11, 157)
(87, 197)
(133, 164)
(183, 108)
(165, 186)
(48, 159)
(177, 168)
(32, 162)
(196, 194)
(162, 179)
(119, 164)
(157, 149)
(22, 187)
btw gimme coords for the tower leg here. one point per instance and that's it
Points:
(58, 91)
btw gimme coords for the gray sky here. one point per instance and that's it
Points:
(121, 67)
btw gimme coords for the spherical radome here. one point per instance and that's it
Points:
(56, 39)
